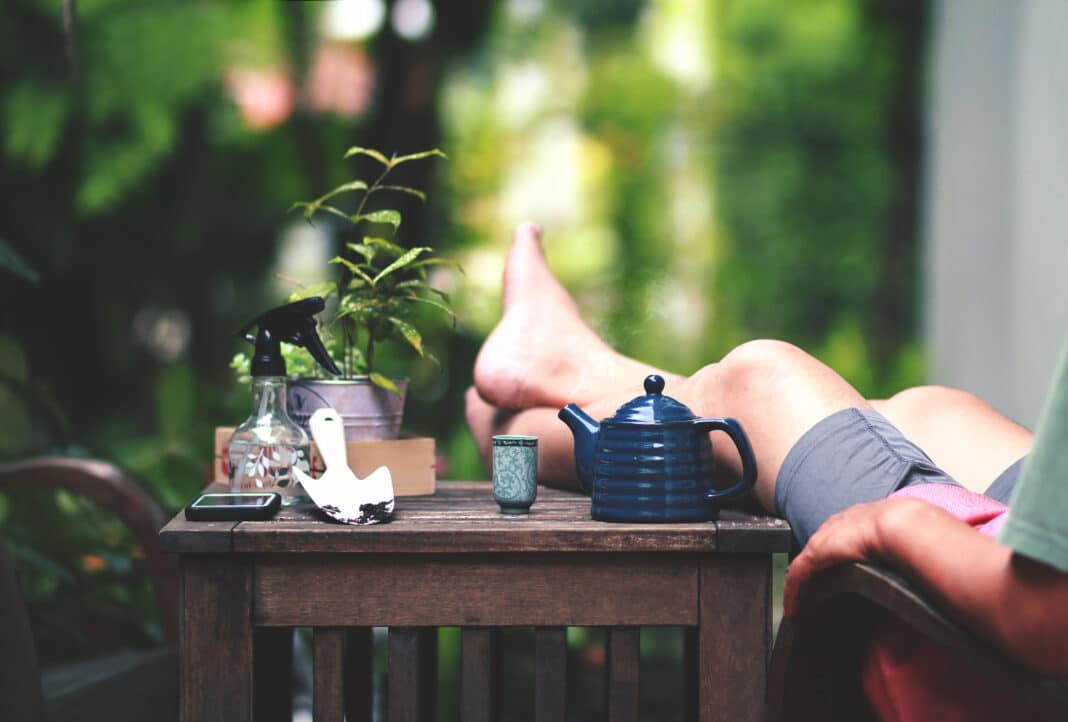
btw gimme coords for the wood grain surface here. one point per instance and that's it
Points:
(734, 637)
(215, 640)
(477, 674)
(328, 657)
(462, 517)
(476, 590)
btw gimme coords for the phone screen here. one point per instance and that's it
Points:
(230, 500)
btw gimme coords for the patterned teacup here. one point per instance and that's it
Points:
(515, 472)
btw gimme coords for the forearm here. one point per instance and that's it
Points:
(1022, 606)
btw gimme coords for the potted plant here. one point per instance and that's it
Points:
(375, 298)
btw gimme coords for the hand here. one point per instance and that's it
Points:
(852, 535)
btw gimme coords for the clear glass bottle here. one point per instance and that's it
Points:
(268, 444)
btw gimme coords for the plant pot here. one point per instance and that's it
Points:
(370, 413)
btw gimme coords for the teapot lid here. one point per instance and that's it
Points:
(654, 407)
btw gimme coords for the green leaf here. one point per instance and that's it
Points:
(369, 152)
(402, 189)
(395, 250)
(385, 217)
(419, 156)
(401, 262)
(352, 305)
(356, 185)
(417, 284)
(13, 263)
(357, 270)
(368, 252)
(435, 303)
(441, 262)
(310, 209)
(326, 289)
(379, 380)
(409, 332)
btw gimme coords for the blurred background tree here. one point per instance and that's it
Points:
(707, 171)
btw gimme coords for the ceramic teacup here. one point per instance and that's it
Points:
(515, 472)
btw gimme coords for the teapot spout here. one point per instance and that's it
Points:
(585, 430)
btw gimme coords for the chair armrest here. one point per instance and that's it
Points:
(109, 487)
(817, 652)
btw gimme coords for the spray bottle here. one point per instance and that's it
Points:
(265, 448)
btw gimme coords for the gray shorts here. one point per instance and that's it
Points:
(855, 456)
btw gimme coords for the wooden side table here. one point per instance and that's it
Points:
(452, 559)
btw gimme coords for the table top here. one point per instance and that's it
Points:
(461, 516)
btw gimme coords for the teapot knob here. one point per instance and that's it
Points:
(654, 384)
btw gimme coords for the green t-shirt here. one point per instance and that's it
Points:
(1037, 522)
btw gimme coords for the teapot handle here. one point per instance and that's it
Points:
(749, 469)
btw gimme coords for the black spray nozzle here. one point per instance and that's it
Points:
(293, 323)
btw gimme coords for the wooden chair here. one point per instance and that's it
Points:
(816, 663)
(124, 686)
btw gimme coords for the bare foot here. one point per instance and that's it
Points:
(542, 353)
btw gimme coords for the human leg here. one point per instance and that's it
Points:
(961, 433)
(775, 390)
(542, 353)
(542, 356)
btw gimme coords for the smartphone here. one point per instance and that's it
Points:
(234, 506)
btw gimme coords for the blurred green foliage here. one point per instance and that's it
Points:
(817, 174)
(707, 171)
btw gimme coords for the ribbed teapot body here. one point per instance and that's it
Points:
(652, 473)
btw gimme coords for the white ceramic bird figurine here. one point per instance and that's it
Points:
(337, 491)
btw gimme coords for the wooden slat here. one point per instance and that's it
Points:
(215, 640)
(741, 532)
(550, 674)
(328, 659)
(472, 590)
(404, 682)
(272, 653)
(473, 534)
(181, 536)
(359, 674)
(690, 667)
(734, 636)
(477, 675)
(428, 672)
(623, 674)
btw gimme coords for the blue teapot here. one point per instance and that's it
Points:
(652, 461)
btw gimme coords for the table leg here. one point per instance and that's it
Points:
(215, 639)
(734, 636)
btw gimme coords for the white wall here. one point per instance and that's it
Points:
(996, 225)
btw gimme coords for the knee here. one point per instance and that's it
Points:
(755, 368)
(924, 401)
(758, 362)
